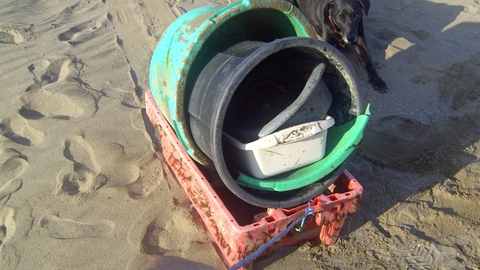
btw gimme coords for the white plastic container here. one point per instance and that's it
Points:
(282, 151)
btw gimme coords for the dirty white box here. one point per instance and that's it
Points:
(281, 151)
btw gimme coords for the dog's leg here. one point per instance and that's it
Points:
(366, 60)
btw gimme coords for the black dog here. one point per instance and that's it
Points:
(340, 23)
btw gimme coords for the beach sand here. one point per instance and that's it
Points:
(82, 187)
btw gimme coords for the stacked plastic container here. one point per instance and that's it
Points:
(272, 112)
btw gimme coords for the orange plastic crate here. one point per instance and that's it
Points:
(239, 228)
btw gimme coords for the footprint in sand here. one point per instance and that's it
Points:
(67, 228)
(85, 167)
(8, 189)
(57, 92)
(420, 79)
(396, 141)
(150, 177)
(11, 168)
(380, 38)
(421, 34)
(80, 33)
(385, 34)
(13, 165)
(19, 130)
(163, 233)
(7, 224)
(459, 85)
(128, 97)
(9, 256)
(45, 104)
(87, 174)
(46, 71)
(11, 35)
(80, 181)
(80, 152)
(121, 174)
(395, 138)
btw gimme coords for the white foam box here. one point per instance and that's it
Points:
(281, 151)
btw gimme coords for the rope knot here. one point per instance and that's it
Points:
(309, 211)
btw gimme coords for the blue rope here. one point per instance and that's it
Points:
(309, 211)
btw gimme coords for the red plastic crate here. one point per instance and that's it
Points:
(239, 228)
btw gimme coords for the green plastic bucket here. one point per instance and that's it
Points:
(193, 40)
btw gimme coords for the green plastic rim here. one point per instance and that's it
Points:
(185, 47)
(341, 142)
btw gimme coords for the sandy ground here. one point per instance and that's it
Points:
(82, 188)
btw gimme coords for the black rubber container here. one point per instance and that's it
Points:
(211, 109)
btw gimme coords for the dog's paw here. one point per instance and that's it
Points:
(378, 84)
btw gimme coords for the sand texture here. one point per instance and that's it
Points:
(82, 186)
